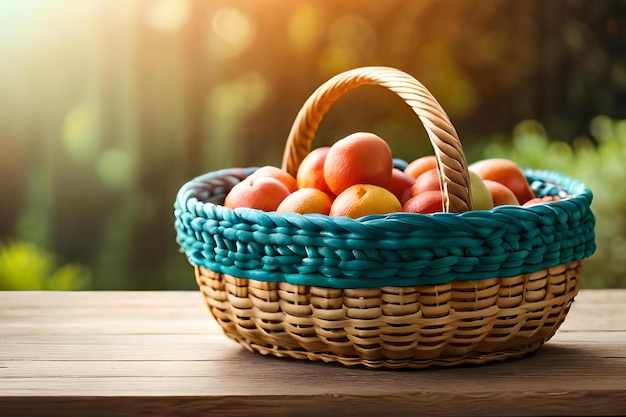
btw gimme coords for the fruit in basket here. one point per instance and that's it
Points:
(541, 200)
(262, 193)
(359, 158)
(364, 199)
(501, 194)
(505, 172)
(283, 176)
(426, 202)
(359, 169)
(420, 165)
(311, 170)
(306, 201)
(427, 181)
(400, 183)
(481, 196)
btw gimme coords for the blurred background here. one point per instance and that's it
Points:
(109, 106)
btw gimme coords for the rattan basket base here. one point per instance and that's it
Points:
(462, 322)
(472, 358)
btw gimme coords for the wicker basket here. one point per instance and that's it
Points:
(395, 291)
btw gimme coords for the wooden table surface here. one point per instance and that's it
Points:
(161, 354)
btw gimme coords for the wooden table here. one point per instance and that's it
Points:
(161, 354)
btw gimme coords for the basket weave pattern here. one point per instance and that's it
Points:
(400, 290)
(448, 324)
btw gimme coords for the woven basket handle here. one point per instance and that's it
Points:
(451, 160)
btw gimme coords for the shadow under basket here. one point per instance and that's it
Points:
(401, 290)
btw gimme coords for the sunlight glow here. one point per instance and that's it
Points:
(233, 32)
(169, 15)
(303, 27)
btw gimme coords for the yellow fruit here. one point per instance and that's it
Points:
(364, 199)
(481, 196)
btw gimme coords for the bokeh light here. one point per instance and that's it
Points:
(109, 106)
(232, 32)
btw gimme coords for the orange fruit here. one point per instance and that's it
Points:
(264, 193)
(306, 201)
(360, 158)
(311, 170)
(418, 166)
(279, 174)
(364, 199)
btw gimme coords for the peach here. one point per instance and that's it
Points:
(263, 193)
(311, 171)
(501, 194)
(279, 174)
(505, 172)
(360, 158)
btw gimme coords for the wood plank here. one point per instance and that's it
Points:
(160, 353)
(201, 371)
(530, 403)
(194, 348)
(269, 378)
(548, 365)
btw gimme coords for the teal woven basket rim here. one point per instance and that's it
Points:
(399, 249)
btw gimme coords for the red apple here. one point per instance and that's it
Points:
(426, 202)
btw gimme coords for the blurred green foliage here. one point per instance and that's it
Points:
(23, 266)
(599, 163)
(109, 106)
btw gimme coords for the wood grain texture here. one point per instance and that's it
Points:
(160, 353)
